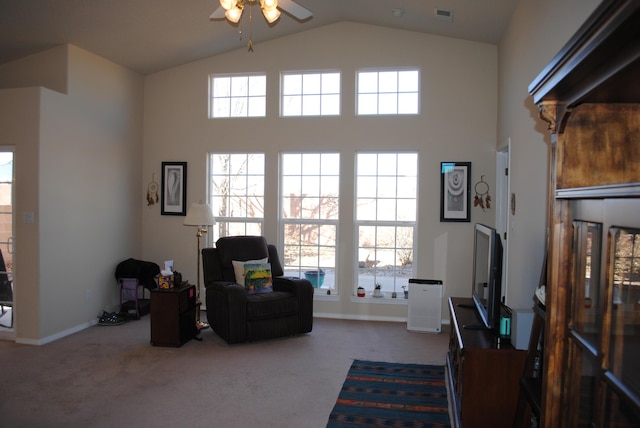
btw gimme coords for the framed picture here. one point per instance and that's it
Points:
(455, 191)
(174, 188)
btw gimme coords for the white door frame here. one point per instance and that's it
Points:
(503, 192)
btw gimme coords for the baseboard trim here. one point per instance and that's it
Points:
(54, 337)
(358, 317)
(364, 317)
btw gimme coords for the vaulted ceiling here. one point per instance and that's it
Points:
(152, 35)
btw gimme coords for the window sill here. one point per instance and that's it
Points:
(380, 300)
(324, 297)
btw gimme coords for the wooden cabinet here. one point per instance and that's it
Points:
(529, 401)
(589, 95)
(484, 372)
(173, 316)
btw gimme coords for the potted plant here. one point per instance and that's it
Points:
(377, 291)
(316, 277)
(361, 292)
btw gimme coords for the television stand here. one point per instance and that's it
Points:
(474, 327)
(465, 306)
(483, 371)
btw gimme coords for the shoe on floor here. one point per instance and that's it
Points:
(110, 319)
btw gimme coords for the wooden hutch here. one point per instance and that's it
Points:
(589, 94)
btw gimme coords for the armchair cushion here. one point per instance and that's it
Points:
(238, 268)
(257, 278)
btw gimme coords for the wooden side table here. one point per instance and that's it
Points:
(173, 315)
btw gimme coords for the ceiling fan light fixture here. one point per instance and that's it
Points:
(234, 11)
(271, 15)
(228, 4)
(268, 4)
(234, 14)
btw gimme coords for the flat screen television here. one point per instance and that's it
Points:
(487, 275)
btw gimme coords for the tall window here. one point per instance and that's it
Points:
(309, 215)
(386, 219)
(238, 96)
(236, 193)
(310, 94)
(388, 92)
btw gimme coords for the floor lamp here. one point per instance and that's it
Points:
(199, 215)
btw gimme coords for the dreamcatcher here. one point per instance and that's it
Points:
(152, 191)
(482, 197)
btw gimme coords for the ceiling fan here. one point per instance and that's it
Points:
(232, 9)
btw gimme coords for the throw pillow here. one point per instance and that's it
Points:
(238, 268)
(257, 278)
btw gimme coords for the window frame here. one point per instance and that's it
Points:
(330, 281)
(398, 279)
(248, 97)
(397, 92)
(304, 95)
(224, 220)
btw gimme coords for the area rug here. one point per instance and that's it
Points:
(377, 394)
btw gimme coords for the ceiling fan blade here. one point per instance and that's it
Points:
(295, 9)
(218, 13)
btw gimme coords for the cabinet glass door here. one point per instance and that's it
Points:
(624, 334)
(586, 315)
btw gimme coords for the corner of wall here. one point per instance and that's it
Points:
(48, 68)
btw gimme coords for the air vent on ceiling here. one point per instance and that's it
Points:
(443, 15)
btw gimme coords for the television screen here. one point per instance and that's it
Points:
(487, 273)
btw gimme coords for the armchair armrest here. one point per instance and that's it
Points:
(303, 290)
(292, 284)
(227, 310)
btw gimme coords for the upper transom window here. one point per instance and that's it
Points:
(238, 96)
(310, 94)
(388, 92)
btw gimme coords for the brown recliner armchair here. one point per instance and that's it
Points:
(238, 316)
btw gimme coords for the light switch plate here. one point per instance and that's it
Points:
(29, 217)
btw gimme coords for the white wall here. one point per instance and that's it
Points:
(537, 31)
(457, 123)
(86, 191)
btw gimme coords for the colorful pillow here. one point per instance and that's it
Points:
(238, 268)
(257, 278)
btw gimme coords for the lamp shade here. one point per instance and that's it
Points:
(199, 214)
(271, 15)
(228, 4)
(268, 4)
(234, 14)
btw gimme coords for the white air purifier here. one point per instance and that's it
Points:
(425, 305)
(521, 322)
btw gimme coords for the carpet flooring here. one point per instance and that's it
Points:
(106, 377)
(380, 394)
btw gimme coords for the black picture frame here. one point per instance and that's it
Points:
(174, 188)
(455, 191)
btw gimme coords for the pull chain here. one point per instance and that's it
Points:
(250, 43)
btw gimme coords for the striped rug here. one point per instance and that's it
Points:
(379, 394)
